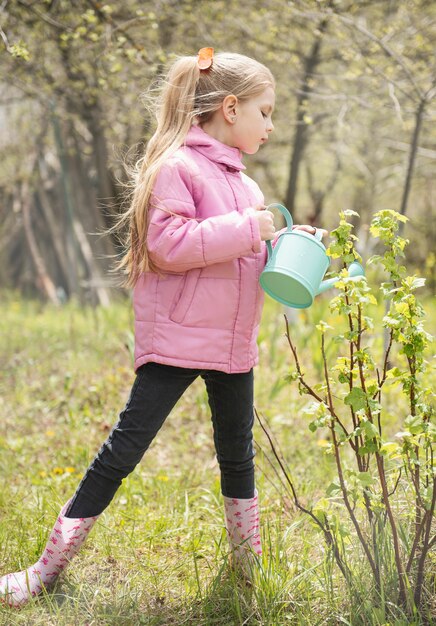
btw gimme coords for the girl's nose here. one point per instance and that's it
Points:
(270, 127)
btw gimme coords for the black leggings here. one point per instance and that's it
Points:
(155, 391)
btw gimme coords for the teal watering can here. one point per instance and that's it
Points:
(295, 268)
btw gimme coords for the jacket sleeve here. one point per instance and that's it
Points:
(178, 241)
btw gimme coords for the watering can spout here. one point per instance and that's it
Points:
(355, 270)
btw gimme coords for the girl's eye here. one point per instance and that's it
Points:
(264, 115)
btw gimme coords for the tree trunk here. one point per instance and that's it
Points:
(319, 195)
(70, 248)
(106, 189)
(412, 155)
(95, 282)
(45, 283)
(86, 207)
(301, 136)
(84, 218)
(56, 230)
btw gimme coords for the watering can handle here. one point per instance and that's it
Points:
(289, 222)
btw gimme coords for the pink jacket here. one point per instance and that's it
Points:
(203, 309)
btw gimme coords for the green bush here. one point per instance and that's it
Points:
(383, 496)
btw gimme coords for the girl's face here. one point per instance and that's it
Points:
(252, 122)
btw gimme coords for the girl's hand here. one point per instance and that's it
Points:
(265, 219)
(311, 229)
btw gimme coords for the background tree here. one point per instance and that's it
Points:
(354, 119)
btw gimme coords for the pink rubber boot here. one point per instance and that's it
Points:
(242, 523)
(64, 542)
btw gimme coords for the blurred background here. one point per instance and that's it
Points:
(354, 121)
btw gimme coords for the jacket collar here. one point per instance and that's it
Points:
(213, 149)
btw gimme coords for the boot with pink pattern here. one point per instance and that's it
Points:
(64, 542)
(243, 530)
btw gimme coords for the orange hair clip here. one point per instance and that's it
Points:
(205, 58)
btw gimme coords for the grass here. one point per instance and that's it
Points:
(158, 555)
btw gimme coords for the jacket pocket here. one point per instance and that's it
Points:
(183, 299)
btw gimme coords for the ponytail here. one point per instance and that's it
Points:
(175, 114)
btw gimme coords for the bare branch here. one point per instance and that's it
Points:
(44, 16)
(386, 49)
(330, 540)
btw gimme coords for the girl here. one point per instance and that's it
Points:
(194, 257)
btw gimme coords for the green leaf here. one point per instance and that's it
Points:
(321, 506)
(356, 399)
(370, 430)
(374, 406)
(394, 372)
(404, 434)
(414, 424)
(402, 308)
(365, 479)
(19, 51)
(389, 447)
(323, 326)
(414, 282)
(340, 432)
(333, 489)
(350, 213)
(376, 258)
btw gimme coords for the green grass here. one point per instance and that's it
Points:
(158, 555)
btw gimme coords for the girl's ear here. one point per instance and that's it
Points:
(229, 108)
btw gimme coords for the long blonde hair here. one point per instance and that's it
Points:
(187, 94)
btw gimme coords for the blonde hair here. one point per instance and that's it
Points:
(187, 95)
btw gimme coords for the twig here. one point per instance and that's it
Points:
(339, 468)
(425, 548)
(398, 562)
(308, 388)
(415, 544)
(350, 509)
(273, 467)
(43, 16)
(396, 483)
(385, 366)
(386, 49)
(325, 529)
(297, 365)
